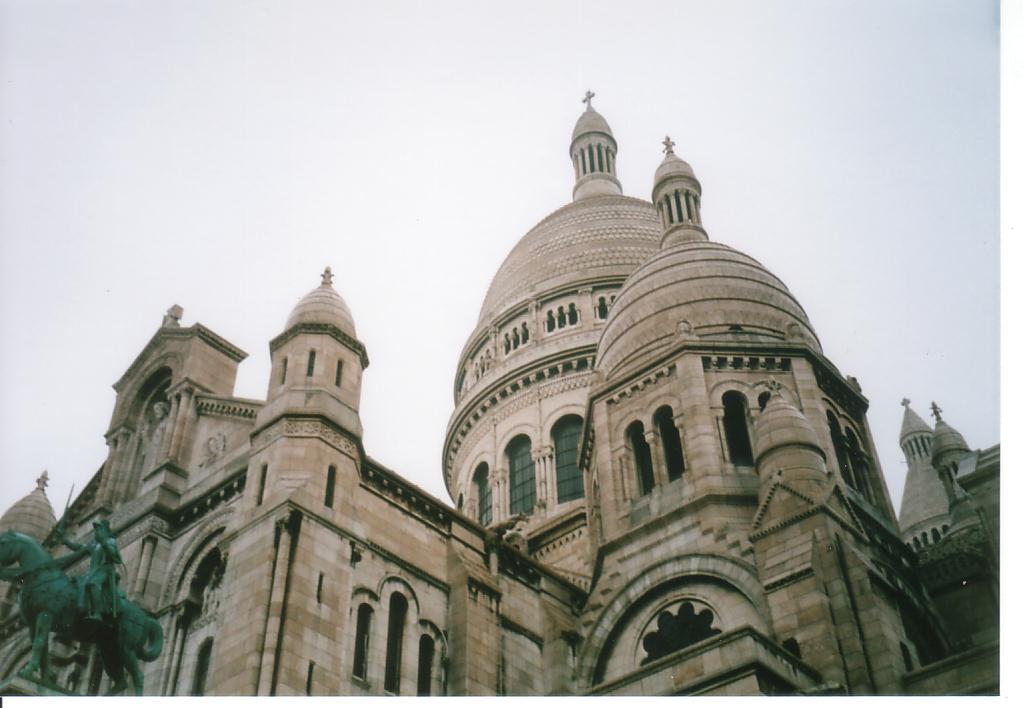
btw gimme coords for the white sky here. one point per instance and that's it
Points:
(218, 155)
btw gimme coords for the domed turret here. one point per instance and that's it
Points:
(31, 515)
(323, 306)
(949, 445)
(594, 153)
(786, 442)
(676, 195)
(317, 362)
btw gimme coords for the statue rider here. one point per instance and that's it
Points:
(98, 592)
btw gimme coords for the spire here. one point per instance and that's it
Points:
(594, 154)
(912, 423)
(676, 195)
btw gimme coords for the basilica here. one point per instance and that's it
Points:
(660, 485)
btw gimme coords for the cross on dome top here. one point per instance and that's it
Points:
(668, 144)
(327, 276)
(904, 402)
(43, 480)
(935, 411)
(587, 98)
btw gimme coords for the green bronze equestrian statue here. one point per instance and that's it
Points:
(92, 609)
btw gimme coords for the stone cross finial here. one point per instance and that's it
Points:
(668, 144)
(935, 411)
(905, 402)
(327, 276)
(587, 98)
(43, 480)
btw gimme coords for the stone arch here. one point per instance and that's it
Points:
(137, 389)
(361, 594)
(655, 403)
(551, 419)
(201, 537)
(740, 576)
(392, 583)
(525, 428)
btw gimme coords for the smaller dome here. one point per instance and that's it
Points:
(949, 444)
(323, 306)
(31, 515)
(672, 166)
(781, 424)
(591, 122)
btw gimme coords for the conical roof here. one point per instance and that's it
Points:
(31, 515)
(781, 423)
(911, 422)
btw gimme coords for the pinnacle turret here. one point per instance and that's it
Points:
(594, 154)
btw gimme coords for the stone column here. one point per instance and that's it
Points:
(282, 537)
(677, 420)
(586, 306)
(172, 662)
(168, 435)
(119, 470)
(499, 499)
(145, 565)
(181, 422)
(653, 440)
(535, 324)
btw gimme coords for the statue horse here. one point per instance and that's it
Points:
(49, 604)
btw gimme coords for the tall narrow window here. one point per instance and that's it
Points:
(284, 370)
(600, 157)
(395, 629)
(550, 320)
(482, 480)
(328, 495)
(362, 624)
(525, 333)
(561, 317)
(736, 430)
(309, 679)
(573, 314)
(859, 464)
(664, 418)
(262, 485)
(425, 677)
(319, 589)
(202, 668)
(566, 434)
(641, 457)
(593, 163)
(602, 308)
(841, 454)
(337, 373)
(522, 476)
(667, 208)
(678, 208)
(311, 364)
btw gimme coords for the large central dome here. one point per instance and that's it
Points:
(585, 241)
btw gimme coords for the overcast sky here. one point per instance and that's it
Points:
(219, 155)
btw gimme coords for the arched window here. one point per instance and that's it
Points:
(593, 164)
(641, 456)
(934, 535)
(521, 476)
(507, 343)
(573, 314)
(736, 431)
(202, 668)
(602, 308)
(395, 629)
(525, 333)
(550, 320)
(362, 626)
(840, 452)
(561, 317)
(600, 157)
(425, 677)
(481, 478)
(566, 434)
(664, 419)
